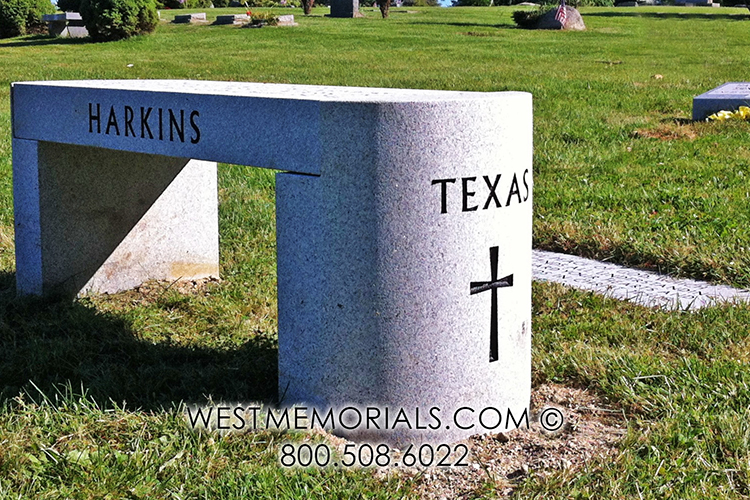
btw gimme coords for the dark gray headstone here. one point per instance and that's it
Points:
(344, 8)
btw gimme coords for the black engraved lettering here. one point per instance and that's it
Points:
(443, 193)
(129, 121)
(492, 195)
(174, 126)
(194, 125)
(95, 118)
(514, 190)
(467, 194)
(526, 184)
(144, 123)
(112, 122)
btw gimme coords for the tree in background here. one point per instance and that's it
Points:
(19, 17)
(307, 6)
(385, 6)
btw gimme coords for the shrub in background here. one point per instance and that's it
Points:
(420, 3)
(527, 19)
(19, 17)
(108, 20)
(37, 9)
(263, 19)
(12, 18)
(173, 4)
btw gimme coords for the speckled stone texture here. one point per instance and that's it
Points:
(728, 97)
(375, 308)
(95, 220)
(403, 226)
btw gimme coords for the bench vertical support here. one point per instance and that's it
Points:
(26, 214)
(381, 260)
(97, 220)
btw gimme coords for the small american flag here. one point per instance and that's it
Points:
(562, 13)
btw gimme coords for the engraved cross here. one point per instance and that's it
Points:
(493, 284)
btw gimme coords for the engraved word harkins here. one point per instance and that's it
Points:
(145, 122)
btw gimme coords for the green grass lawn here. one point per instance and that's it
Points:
(90, 390)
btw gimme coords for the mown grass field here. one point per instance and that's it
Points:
(91, 389)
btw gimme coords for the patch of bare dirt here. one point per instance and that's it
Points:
(591, 431)
(668, 132)
(151, 291)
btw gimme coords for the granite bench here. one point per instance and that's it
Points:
(403, 224)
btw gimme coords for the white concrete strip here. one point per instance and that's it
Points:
(641, 287)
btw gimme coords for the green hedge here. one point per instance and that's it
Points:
(108, 20)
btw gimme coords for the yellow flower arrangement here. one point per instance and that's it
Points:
(741, 114)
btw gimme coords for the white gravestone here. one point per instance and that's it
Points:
(729, 97)
(403, 230)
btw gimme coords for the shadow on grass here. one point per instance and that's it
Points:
(58, 342)
(671, 15)
(41, 40)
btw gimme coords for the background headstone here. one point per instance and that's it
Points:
(286, 20)
(66, 25)
(728, 97)
(573, 20)
(189, 18)
(345, 8)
